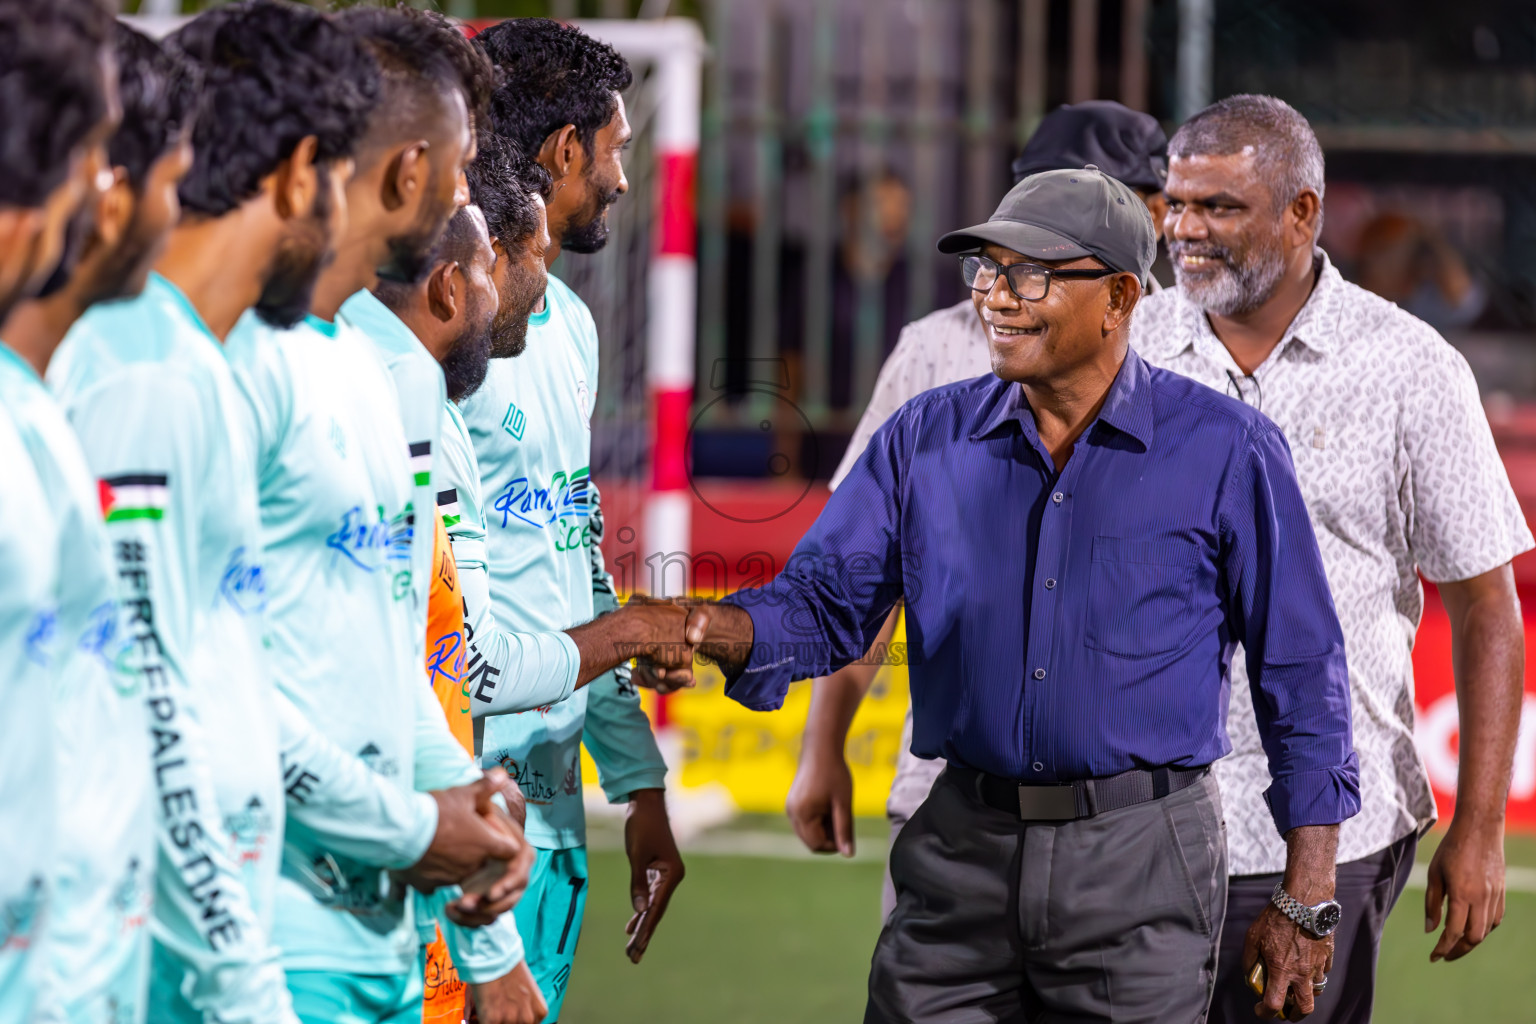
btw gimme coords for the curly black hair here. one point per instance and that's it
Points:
(160, 103)
(503, 182)
(552, 75)
(274, 73)
(417, 44)
(51, 91)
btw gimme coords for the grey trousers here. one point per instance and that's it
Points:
(1111, 918)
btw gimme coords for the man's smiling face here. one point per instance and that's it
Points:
(1037, 340)
(1224, 232)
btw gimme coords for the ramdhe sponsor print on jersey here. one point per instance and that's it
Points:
(563, 505)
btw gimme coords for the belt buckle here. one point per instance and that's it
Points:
(1048, 803)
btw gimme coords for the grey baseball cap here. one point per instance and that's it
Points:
(1066, 215)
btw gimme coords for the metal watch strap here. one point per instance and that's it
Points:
(1294, 909)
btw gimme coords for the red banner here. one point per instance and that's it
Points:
(1437, 731)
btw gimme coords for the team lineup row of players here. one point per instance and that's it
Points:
(261, 286)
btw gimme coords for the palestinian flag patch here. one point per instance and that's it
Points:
(448, 507)
(421, 462)
(133, 496)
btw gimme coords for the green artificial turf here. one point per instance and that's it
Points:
(753, 940)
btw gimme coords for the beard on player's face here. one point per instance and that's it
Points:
(466, 364)
(289, 289)
(588, 232)
(520, 291)
(76, 234)
(410, 254)
(123, 272)
(117, 274)
(509, 334)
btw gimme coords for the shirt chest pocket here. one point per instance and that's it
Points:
(1141, 595)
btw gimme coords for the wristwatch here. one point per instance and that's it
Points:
(1318, 920)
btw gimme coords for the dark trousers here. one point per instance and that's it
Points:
(1111, 918)
(1367, 889)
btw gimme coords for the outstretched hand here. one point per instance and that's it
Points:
(667, 650)
(645, 628)
(721, 633)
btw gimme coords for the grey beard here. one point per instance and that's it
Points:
(1234, 290)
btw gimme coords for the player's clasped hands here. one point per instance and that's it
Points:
(479, 846)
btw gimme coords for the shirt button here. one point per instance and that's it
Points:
(1057, 497)
(1050, 584)
(1038, 766)
(1039, 673)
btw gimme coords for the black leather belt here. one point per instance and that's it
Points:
(1068, 801)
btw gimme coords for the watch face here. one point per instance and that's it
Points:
(1327, 917)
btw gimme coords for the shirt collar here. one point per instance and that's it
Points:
(1127, 407)
(541, 318)
(10, 355)
(1315, 325)
(176, 297)
(364, 311)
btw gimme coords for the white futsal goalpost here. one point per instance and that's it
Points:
(642, 289)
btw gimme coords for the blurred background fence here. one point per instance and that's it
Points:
(840, 137)
(837, 140)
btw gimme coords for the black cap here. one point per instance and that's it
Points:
(1066, 215)
(1124, 143)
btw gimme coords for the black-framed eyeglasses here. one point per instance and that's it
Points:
(1029, 281)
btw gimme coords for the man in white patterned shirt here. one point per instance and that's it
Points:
(943, 347)
(1401, 477)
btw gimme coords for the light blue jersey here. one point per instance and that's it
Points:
(336, 495)
(159, 412)
(482, 954)
(29, 565)
(530, 424)
(506, 671)
(421, 392)
(98, 937)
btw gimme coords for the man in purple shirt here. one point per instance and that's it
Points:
(1081, 540)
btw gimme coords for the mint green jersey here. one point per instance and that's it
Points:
(530, 424)
(336, 499)
(29, 803)
(506, 671)
(157, 407)
(149, 392)
(98, 937)
(421, 392)
(479, 954)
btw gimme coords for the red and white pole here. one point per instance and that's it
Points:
(671, 342)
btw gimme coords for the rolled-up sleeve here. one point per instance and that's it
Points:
(1280, 608)
(826, 607)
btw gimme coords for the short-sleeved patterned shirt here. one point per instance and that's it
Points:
(1401, 476)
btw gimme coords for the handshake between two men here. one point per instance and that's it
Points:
(662, 636)
(479, 844)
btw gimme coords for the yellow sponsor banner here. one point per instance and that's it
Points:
(754, 753)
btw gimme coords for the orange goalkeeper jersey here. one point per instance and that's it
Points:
(446, 642)
(443, 1001)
